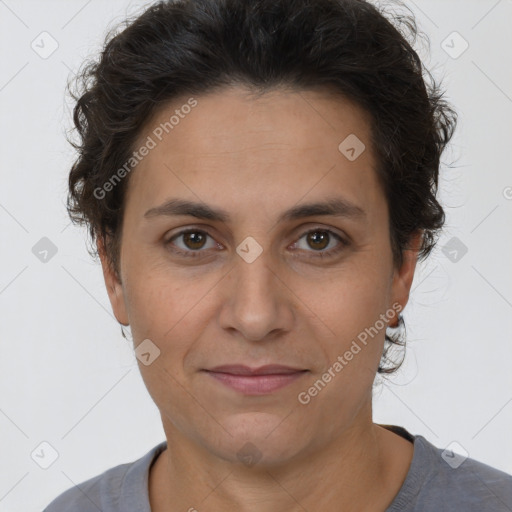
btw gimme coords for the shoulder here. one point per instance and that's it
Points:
(93, 494)
(456, 482)
(116, 489)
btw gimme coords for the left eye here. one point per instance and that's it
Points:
(318, 239)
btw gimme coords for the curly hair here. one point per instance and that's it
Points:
(189, 47)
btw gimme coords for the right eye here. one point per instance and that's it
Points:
(193, 239)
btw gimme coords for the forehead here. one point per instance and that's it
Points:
(278, 116)
(235, 144)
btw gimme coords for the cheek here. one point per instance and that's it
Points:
(156, 296)
(167, 309)
(352, 298)
(350, 305)
(170, 315)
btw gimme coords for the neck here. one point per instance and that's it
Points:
(362, 469)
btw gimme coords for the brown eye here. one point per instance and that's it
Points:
(318, 239)
(194, 239)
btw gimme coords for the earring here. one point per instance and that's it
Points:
(396, 320)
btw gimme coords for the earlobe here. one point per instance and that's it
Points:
(403, 277)
(113, 285)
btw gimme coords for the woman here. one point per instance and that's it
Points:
(260, 179)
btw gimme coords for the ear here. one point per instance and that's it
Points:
(114, 286)
(403, 276)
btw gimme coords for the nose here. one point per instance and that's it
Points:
(258, 304)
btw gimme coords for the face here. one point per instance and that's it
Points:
(268, 282)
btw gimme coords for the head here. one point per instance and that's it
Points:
(309, 142)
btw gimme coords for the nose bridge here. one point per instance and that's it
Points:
(254, 272)
(255, 305)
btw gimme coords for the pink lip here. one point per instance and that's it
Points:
(255, 381)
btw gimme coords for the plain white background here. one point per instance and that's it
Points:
(68, 378)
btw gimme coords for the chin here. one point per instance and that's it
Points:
(258, 438)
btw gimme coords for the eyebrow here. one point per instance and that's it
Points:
(337, 207)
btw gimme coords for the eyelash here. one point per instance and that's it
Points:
(323, 254)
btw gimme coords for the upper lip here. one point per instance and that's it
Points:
(270, 369)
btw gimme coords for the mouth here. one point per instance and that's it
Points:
(255, 381)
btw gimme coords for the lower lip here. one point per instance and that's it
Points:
(256, 384)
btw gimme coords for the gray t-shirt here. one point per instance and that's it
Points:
(432, 484)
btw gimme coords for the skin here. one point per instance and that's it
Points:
(254, 158)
